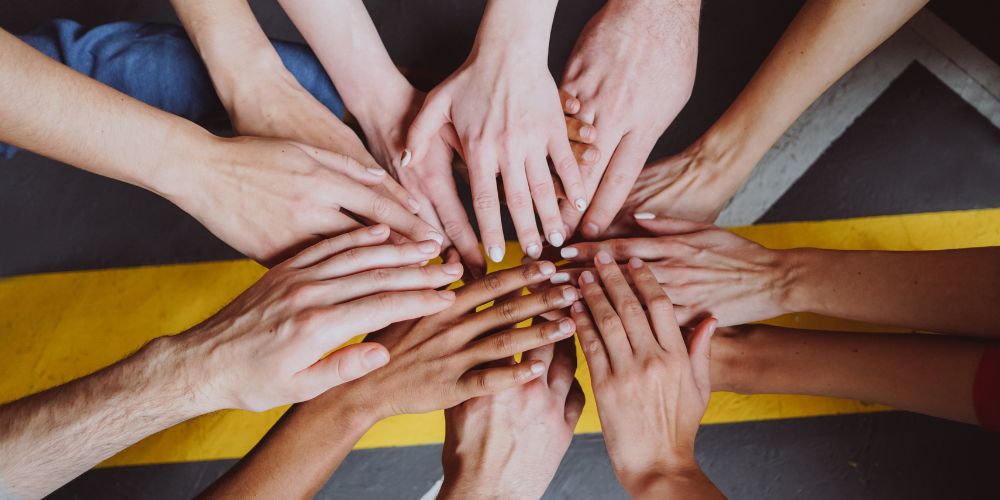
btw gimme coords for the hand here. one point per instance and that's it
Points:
(267, 347)
(704, 269)
(434, 360)
(505, 109)
(509, 445)
(633, 70)
(269, 198)
(651, 388)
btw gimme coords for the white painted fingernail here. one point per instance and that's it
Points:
(377, 172)
(581, 204)
(556, 239)
(405, 160)
(436, 236)
(496, 254)
(569, 295)
(644, 216)
(569, 252)
(537, 367)
(559, 278)
(534, 251)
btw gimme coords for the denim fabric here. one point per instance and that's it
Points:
(157, 64)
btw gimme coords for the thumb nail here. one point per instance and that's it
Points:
(375, 358)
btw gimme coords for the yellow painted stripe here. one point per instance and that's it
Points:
(56, 327)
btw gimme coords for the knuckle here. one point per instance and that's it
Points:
(564, 163)
(380, 206)
(453, 229)
(483, 201)
(518, 200)
(493, 283)
(353, 256)
(385, 300)
(608, 322)
(502, 344)
(509, 311)
(660, 303)
(380, 277)
(481, 382)
(632, 306)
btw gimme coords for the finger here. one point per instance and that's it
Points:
(380, 208)
(626, 304)
(433, 115)
(368, 175)
(580, 131)
(374, 281)
(486, 205)
(513, 311)
(522, 214)
(342, 366)
(569, 171)
(500, 283)
(586, 154)
(478, 383)
(517, 340)
(669, 226)
(570, 104)
(320, 251)
(609, 325)
(700, 352)
(661, 309)
(619, 249)
(394, 190)
(574, 403)
(355, 260)
(562, 368)
(334, 325)
(625, 166)
(591, 342)
(455, 222)
(544, 195)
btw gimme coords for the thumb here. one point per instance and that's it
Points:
(700, 354)
(368, 175)
(428, 122)
(347, 364)
(667, 226)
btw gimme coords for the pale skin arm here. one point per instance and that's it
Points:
(825, 40)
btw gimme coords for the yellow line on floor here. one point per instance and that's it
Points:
(55, 327)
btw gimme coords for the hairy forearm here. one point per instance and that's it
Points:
(825, 40)
(927, 374)
(51, 437)
(57, 112)
(300, 453)
(946, 291)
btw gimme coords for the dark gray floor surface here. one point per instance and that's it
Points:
(918, 148)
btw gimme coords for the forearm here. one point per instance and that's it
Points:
(51, 437)
(300, 453)
(515, 30)
(947, 291)
(825, 40)
(57, 112)
(926, 374)
(689, 483)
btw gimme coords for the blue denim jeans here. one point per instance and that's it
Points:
(157, 64)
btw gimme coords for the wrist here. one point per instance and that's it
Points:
(166, 378)
(646, 483)
(515, 31)
(797, 269)
(185, 153)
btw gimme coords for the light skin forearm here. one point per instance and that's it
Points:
(927, 374)
(51, 437)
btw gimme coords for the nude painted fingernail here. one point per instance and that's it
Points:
(427, 247)
(587, 277)
(447, 295)
(569, 294)
(405, 160)
(592, 228)
(534, 250)
(644, 216)
(414, 204)
(454, 269)
(591, 155)
(378, 172)
(581, 204)
(573, 105)
(586, 131)
(566, 325)
(375, 358)
(635, 263)
(537, 367)
(604, 257)
(496, 254)
(559, 278)
(556, 238)
(436, 236)
(569, 252)
(378, 229)
(546, 268)
(578, 307)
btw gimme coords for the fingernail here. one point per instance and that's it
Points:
(427, 247)
(586, 131)
(378, 229)
(436, 236)
(578, 306)
(378, 172)
(644, 216)
(556, 238)
(592, 229)
(405, 160)
(590, 154)
(635, 263)
(533, 250)
(537, 367)
(569, 294)
(559, 278)
(414, 204)
(375, 358)
(565, 325)
(496, 254)
(604, 257)
(454, 269)
(581, 204)
(546, 268)
(569, 252)
(572, 104)
(447, 295)
(587, 277)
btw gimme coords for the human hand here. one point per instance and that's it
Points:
(505, 109)
(510, 444)
(706, 270)
(267, 347)
(268, 198)
(632, 69)
(651, 388)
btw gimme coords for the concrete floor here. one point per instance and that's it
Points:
(916, 143)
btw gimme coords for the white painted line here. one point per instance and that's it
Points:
(433, 492)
